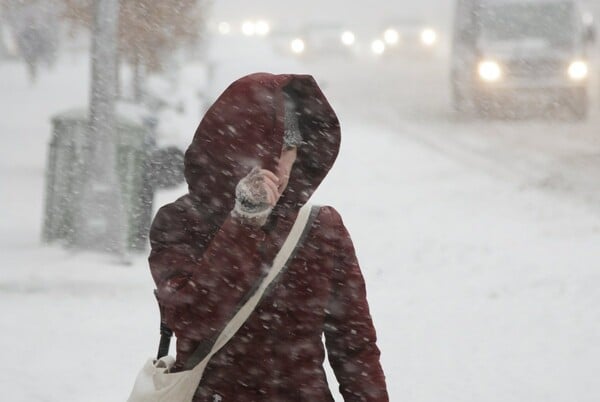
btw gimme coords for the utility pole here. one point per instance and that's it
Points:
(102, 219)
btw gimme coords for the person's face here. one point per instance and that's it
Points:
(284, 168)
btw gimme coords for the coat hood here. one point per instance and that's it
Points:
(244, 128)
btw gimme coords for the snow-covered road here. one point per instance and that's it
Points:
(412, 99)
(479, 242)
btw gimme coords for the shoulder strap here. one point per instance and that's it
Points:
(299, 231)
(165, 332)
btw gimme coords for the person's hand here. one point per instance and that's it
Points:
(256, 195)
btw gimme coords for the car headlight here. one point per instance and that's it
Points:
(578, 70)
(297, 46)
(262, 28)
(429, 37)
(489, 71)
(224, 28)
(378, 47)
(391, 36)
(348, 38)
(248, 28)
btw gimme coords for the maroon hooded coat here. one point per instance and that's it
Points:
(204, 261)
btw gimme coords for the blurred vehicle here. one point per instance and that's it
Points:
(510, 53)
(410, 37)
(322, 40)
(251, 28)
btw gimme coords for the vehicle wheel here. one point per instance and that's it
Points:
(485, 107)
(459, 101)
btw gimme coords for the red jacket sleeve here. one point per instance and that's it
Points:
(197, 289)
(349, 332)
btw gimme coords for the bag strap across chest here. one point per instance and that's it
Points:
(207, 348)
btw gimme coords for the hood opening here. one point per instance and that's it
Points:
(244, 128)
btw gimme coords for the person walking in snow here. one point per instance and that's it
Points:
(256, 158)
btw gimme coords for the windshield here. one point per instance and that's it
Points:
(553, 23)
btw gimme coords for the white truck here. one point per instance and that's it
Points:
(511, 54)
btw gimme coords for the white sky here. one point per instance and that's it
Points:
(371, 12)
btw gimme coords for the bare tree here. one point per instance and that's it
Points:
(149, 30)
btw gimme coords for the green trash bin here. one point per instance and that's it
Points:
(138, 162)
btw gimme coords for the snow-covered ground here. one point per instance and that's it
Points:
(483, 273)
